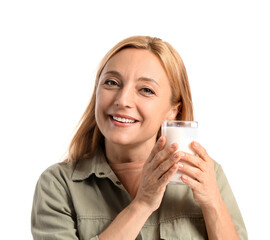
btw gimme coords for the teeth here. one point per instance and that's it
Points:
(124, 120)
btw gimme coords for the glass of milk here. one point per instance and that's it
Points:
(182, 133)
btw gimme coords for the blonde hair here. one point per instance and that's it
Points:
(88, 137)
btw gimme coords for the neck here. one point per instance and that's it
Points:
(126, 153)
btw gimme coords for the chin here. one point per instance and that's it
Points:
(128, 140)
(117, 138)
(121, 142)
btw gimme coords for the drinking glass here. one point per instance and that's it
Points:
(182, 133)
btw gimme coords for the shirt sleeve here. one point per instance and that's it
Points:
(53, 215)
(230, 201)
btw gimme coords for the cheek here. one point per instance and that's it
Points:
(100, 105)
(156, 111)
(104, 101)
(101, 100)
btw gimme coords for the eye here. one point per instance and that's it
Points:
(110, 82)
(147, 91)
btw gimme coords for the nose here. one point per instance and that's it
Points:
(125, 97)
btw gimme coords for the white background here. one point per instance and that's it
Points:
(49, 53)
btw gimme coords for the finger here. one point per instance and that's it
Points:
(164, 154)
(160, 144)
(193, 160)
(166, 177)
(193, 172)
(193, 184)
(200, 151)
(166, 165)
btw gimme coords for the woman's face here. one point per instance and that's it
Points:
(133, 98)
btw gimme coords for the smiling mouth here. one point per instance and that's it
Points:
(123, 120)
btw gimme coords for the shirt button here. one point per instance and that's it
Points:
(118, 183)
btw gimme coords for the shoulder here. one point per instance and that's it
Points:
(64, 166)
(217, 166)
(59, 173)
(222, 181)
(61, 169)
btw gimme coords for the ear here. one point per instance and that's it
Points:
(171, 115)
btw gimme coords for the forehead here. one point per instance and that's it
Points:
(136, 61)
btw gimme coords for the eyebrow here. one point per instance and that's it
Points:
(139, 79)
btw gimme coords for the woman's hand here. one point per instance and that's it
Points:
(199, 175)
(157, 172)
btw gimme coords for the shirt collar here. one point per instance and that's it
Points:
(95, 165)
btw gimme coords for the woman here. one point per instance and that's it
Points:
(114, 184)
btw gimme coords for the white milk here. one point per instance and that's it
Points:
(183, 136)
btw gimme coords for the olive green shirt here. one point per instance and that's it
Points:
(79, 201)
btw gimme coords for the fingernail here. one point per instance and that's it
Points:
(195, 144)
(180, 165)
(173, 145)
(176, 155)
(184, 177)
(182, 154)
(161, 141)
